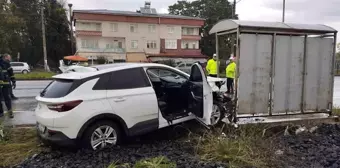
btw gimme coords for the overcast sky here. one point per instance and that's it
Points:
(297, 11)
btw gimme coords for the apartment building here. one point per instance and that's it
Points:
(139, 36)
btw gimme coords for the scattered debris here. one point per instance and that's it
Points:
(279, 152)
(300, 130)
(313, 129)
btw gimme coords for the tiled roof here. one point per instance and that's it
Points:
(130, 13)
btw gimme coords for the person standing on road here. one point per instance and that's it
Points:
(6, 77)
(230, 74)
(212, 66)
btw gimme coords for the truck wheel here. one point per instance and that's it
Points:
(101, 134)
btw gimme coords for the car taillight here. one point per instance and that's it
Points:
(63, 107)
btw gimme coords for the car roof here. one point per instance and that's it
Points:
(107, 68)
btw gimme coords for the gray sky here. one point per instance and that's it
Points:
(297, 11)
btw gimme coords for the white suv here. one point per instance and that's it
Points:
(100, 108)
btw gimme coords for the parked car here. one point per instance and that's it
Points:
(20, 67)
(184, 66)
(99, 108)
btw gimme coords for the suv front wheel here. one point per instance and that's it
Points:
(102, 134)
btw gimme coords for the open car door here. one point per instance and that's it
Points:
(200, 98)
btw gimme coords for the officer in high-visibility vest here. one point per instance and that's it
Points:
(230, 74)
(212, 66)
(6, 77)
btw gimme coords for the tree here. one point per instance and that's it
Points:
(22, 27)
(212, 11)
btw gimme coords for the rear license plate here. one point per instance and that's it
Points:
(41, 128)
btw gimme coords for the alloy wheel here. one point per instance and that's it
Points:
(103, 136)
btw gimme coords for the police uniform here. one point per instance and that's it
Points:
(6, 76)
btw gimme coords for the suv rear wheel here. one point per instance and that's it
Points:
(101, 135)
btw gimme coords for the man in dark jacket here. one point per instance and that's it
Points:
(6, 78)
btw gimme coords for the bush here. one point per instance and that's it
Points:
(101, 60)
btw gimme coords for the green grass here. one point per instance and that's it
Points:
(18, 144)
(243, 147)
(35, 75)
(336, 111)
(156, 162)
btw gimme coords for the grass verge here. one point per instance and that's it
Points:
(241, 147)
(336, 111)
(17, 145)
(35, 75)
(156, 162)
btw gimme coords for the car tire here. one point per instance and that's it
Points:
(217, 115)
(25, 72)
(95, 138)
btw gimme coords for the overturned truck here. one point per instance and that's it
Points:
(284, 71)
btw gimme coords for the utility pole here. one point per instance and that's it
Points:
(233, 17)
(283, 11)
(71, 27)
(44, 37)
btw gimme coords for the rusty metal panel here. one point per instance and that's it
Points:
(287, 76)
(254, 73)
(318, 78)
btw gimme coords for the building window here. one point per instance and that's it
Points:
(89, 44)
(152, 28)
(170, 44)
(189, 31)
(115, 44)
(133, 28)
(114, 27)
(152, 44)
(134, 44)
(98, 27)
(171, 29)
(189, 44)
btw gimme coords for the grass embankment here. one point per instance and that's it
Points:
(16, 145)
(35, 75)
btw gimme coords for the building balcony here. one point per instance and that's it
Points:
(104, 50)
(191, 37)
(88, 33)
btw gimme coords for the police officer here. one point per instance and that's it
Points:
(6, 77)
(212, 66)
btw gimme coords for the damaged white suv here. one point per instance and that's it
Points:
(100, 108)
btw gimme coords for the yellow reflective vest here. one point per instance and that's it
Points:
(231, 70)
(212, 67)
